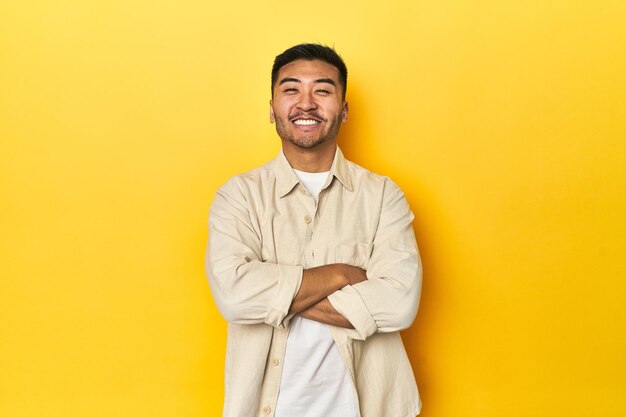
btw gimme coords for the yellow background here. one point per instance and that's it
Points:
(504, 122)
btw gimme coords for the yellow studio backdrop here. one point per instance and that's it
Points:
(503, 121)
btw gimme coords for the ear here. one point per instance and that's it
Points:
(272, 118)
(344, 112)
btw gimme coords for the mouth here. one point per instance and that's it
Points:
(305, 121)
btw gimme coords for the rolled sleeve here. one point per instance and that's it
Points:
(289, 280)
(348, 303)
(246, 289)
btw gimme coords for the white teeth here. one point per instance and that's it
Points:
(306, 122)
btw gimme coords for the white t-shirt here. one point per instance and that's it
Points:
(315, 381)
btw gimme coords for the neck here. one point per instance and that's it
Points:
(318, 159)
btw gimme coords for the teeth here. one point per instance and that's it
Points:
(306, 122)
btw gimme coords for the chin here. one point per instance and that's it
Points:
(305, 143)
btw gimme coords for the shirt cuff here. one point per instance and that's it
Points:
(289, 281)
(349, 304)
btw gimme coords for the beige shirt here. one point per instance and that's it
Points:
(264, 229)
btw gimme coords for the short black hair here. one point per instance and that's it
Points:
(311, 52)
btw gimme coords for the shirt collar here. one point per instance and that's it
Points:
(286, 179)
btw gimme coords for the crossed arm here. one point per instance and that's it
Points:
(311, 300)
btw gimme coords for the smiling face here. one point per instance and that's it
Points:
(307, 104)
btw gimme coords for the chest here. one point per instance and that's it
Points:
(339, 228)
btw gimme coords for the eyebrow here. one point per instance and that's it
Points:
(295, 80)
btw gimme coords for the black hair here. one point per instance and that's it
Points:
(311, 52)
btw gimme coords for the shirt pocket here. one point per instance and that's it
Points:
(355, 255)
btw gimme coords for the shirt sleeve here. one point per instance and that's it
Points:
(388, 300)
(246, 289)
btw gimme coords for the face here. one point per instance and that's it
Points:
(307, 103)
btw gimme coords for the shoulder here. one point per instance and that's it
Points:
(380, 191)
(365, 179)
(245, 182)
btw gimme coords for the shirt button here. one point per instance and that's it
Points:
(275, 362)
(307, 219)
(265, 410)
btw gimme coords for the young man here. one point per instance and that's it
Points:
(312, 260)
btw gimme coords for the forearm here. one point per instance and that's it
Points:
(324, 312)
(317, 284)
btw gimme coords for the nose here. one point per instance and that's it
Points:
(307, 102)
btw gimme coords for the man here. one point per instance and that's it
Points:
(312, 260)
